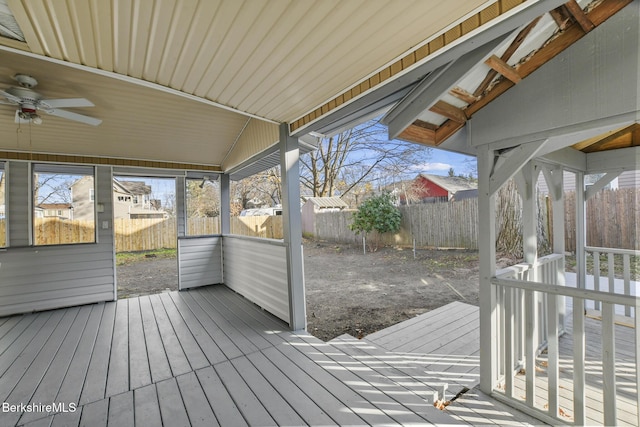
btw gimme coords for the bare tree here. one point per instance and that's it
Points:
(345, 161)
(264, 187)
(203, 199)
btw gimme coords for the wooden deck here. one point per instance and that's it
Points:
(209, 357)
(201, 357)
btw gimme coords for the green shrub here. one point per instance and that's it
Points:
(377, 214)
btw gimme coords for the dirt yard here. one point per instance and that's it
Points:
(347, 291)
(350, 292)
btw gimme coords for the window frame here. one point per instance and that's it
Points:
(79, 171)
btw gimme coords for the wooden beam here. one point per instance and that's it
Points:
(503, 68)
(449, 111)
(447, 129)
(561, 16)
(573, 33)
(463, 95)
(420, 132)
(581, 18)
(520, 38)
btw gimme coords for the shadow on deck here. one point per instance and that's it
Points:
(210, 357)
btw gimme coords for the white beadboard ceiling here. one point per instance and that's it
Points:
(270, 59)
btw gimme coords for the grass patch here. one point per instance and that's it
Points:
(124, 258)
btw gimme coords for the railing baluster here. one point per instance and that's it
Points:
(608, 364)
(578, 362)
(626, 275)
(596, 276)
(509, 336)
(531, 347)
(553, 353)
(637, 347)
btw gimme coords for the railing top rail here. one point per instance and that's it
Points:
(612, 250)
(524, 266)
(587, 294)
(260, 240)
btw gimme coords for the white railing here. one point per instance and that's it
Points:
(618, 274)
(533, 374)
(548, 269)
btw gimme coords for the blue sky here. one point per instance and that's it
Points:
(440, 161)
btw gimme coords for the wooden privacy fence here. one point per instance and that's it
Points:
(449, 224)
(3, 232)
(612, 219)
(612, 222)
(147, 233)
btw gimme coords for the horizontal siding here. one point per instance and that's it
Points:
(257, 269)
(199, 261)
(47, 277)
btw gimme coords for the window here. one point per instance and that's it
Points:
(203, 207)
(63, 204)
(3, 209)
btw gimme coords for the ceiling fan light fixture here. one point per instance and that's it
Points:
(36, 119)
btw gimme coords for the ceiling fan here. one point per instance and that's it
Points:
(29, 102)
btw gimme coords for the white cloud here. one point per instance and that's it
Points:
(432, 167)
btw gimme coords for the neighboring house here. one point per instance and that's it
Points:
(131, 199)
(56, 210)
(314, 205)
(437, 188)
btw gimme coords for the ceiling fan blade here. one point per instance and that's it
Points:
(66, 103)
(10, 97)
(74, 116)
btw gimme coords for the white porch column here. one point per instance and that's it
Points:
(526, 179)
(292, 227)
(225, 204)
(487, 258)
(581, 232)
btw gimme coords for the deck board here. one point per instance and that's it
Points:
(195, 401)
(118, 376)
(95, 414)
(121, 410)
(350, 398)
(194, 353)
(158, 358)
(51, 382)
(210, 357)
(228, 347)
(178, 361)
(139, 375)
(172, 408)
(146, 407)
(247, 403)
(279, 409)
(201, 337)
(224, 407)
(96, 380)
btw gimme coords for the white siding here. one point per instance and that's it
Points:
(199, 261)
(257, 269)
(47, 277)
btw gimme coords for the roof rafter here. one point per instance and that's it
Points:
(573, 32)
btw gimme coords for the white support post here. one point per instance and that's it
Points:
(292, 227)
(487, 256)
(581, 264)
(526, 180)
(555, 181)
(225, 204)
